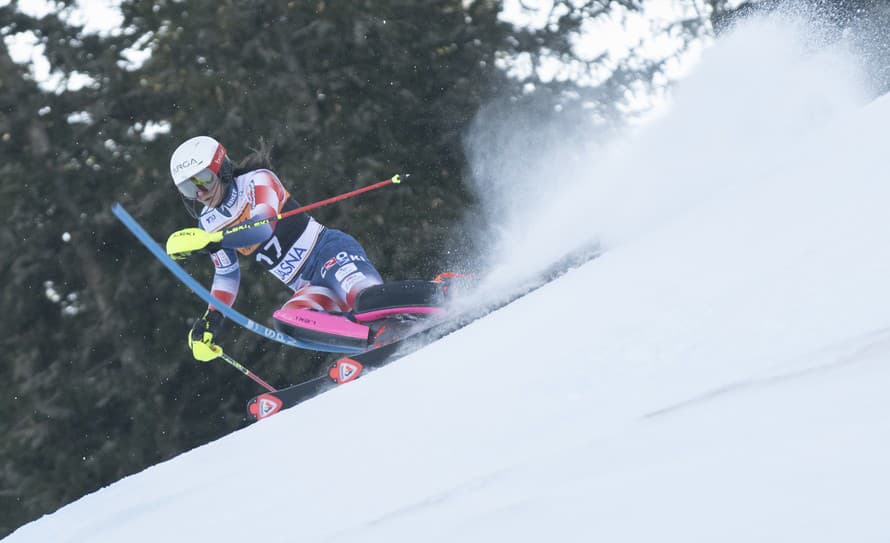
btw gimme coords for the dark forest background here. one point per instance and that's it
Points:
(95, 381)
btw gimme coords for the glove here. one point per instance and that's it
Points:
(183, 243)
(202, 334)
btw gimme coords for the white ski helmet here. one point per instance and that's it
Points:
(199, 162)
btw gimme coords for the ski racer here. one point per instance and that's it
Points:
(325, 268)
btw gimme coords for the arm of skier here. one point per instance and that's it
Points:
(226, 277)
(205, 332)
(267, 196)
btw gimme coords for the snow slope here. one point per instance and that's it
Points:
(720, 374)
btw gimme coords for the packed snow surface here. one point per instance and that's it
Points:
(719, 374)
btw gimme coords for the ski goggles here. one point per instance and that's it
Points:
(205, 179)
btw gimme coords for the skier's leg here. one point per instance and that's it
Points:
(340, 265)
(313, 315)
(314, 297)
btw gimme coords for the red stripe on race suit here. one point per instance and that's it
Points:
(313, 297)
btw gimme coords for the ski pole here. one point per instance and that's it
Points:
(182, 243)
(234, 363)
(394, 180)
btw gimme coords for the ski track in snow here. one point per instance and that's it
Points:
(857, 351)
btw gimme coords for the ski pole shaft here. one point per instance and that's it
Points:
(234, 363)
(394, 180)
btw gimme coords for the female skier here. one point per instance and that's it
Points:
(325, 268)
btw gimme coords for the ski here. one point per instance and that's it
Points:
(349, 368)
(343, 370)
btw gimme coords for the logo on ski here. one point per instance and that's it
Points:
(265, 405)
(345, 370)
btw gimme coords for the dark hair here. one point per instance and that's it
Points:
(258, 159)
